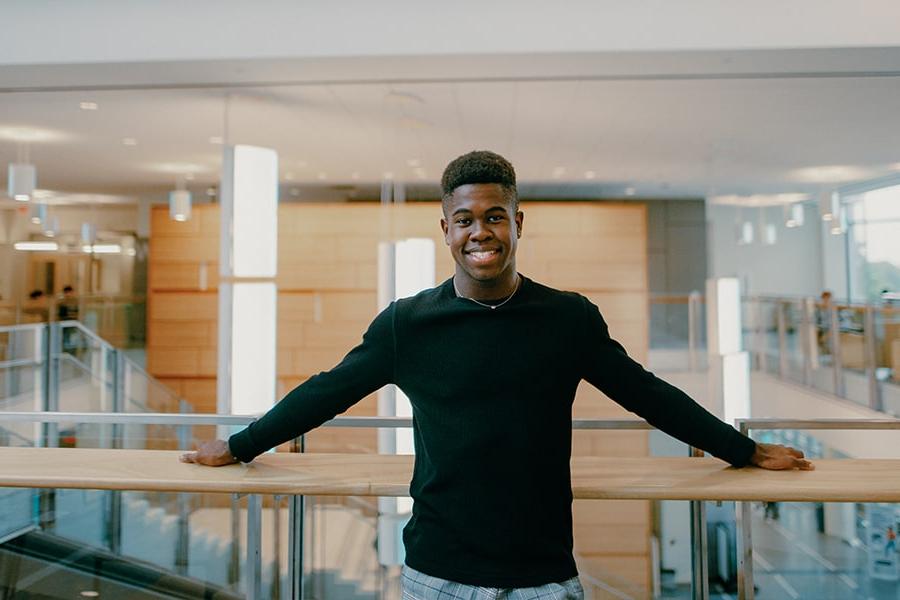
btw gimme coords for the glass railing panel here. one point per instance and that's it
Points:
(21, 386)
(826, 550)
(144, 393)
(121, 321)
(344, 555)
(162, 558)
(765, 341)
(792, 351)
(83, 387)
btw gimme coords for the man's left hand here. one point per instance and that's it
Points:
(778, 458)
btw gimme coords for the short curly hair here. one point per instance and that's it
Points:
(480, 166)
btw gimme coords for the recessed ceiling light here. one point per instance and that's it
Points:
(88, 106)
(29, 134)
(217, 140)
(322, 176)
(36, 246)
(354, 175)
(558, 172)
(830, 174)
(179, 168)
(630, 191)
(90, 594)
(129, 141)
(590, 175)
(413, 162)
(388, 175)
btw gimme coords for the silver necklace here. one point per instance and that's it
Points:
(484, 304)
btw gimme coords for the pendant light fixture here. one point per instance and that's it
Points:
(51, 226)
(22, 179)
(38, 213)
(22, 176)
(793, 215)
(180, 201)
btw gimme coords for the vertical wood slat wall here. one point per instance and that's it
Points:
(327, 278)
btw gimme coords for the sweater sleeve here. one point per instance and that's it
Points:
(367, 367)
(606, 366)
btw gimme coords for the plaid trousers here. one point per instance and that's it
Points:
(419, 586)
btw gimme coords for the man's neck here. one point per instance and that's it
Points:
(486, 291)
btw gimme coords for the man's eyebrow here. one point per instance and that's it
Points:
(468, 211)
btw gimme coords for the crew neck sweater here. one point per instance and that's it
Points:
(491, 393)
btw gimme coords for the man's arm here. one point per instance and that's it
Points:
(607, 366)
(366, 368)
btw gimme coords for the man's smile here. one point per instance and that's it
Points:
(483, 256)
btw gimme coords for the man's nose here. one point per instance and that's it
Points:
(479, 231)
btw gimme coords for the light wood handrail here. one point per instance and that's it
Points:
(653, 478)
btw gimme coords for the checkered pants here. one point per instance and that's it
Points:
(419, 586)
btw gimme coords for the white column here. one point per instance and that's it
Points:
(729, 365)
(247, 294)
(405, 268)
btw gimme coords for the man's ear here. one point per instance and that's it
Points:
(520, 218)
(445, 229)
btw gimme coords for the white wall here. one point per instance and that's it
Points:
(792, 266)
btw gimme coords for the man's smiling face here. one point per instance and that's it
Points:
(481, 226)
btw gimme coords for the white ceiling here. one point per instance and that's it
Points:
(665, 133)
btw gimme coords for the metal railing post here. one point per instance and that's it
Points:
(113, 525)
(51, 383)
(761, 347)
(743, 516)
(234, 559)
(183, 537)
(782, 340)
(836, 365)
(699, 547)
(254, 546)
(296, 519)
(275, 590)
(693, 333)
(870, 338)
(50, 431)
(807, 341)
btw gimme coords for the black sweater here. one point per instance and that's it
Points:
(492, 394)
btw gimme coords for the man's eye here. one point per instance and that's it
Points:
(462, 221)
(495, 218)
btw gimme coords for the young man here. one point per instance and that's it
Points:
(490, 361)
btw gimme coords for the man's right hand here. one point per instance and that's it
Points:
(211, 454)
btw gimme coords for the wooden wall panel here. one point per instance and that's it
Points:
(327, 277)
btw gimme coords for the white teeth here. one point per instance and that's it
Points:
(483, 255)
